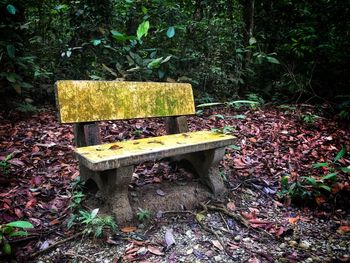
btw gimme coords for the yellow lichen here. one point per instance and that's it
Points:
(86, 101)
(104, 152)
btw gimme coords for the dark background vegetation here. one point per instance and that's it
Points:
(280, 51)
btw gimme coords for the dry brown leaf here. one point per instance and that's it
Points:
(293, 220)
(128, 229)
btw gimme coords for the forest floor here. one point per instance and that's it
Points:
(251, 225)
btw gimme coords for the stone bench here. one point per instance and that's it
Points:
(111, 165)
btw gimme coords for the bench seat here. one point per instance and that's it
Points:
(114, 155)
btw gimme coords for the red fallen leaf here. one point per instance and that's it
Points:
(16, 162)
(31, 203)
(253, 140)
(238, 163)
(343, 229)
(255, 211)
(155, 251)
(280, 231)
(128, 229)
(248, 215)
(157, 180)
(131, 250)
(253, 260)
(18, 213)
(54, 222)
(293, 220)
(6, 206)
(231, 206)
(35, 149)
(259, 221)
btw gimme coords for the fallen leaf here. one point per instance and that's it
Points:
(293, 220)
(200, 217)
(155, 251)
(128, 229)
(248, 216)
(218, 245)
(160, 192)
(18, 213)
(169, 238)
(253, 140)
(115, 147)
(343, 229)
(231, 206)
(253, 260)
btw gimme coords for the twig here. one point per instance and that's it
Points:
(223, 210)
(56, 244)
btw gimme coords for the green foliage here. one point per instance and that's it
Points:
(12, 230)
(143, 214)
(311, 187)
(94, 224)
(309, 118)
(225, 130)
(5, 165)
(209, 45)
(26, 108)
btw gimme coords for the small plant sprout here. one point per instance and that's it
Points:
(94, 224)
(5, 165)
(143, 214)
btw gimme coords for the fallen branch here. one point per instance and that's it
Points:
(56, 244)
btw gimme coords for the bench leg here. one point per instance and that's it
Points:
(206, 165)
(113, 185)
(115, 190)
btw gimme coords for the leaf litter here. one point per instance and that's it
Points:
(271, 143)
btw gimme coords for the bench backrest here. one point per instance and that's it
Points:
(90, 101)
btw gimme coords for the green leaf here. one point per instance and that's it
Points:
(96, 42)
(330, 176)
(252, 41)
(161, 74)
(142, 30)
(310, 180)
(11, 9)
(209, 104)
(6, 248)
(155, 63)
(272, 60)
(319, 165)
(19, 234)
(94, 213)
(243, 102)
(340, 154)
(284, 181)
(325, 187)
(234, 147)
(20, 224)
(239, 116)
(170, 32)
(11, 51)
(166, 59)
(345, 170)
